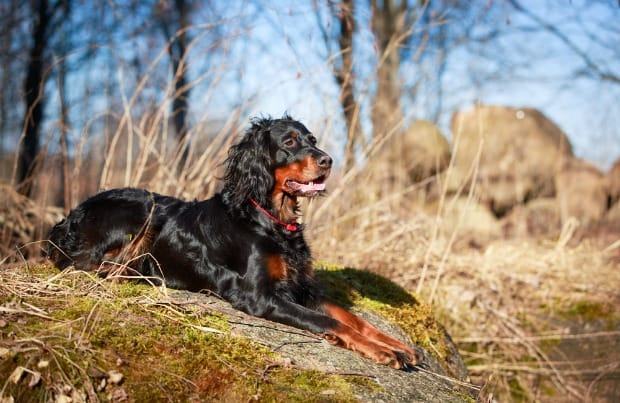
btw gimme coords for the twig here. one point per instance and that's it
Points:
(609, 369)
(348, 373)
(535, 338)
(24, 311)
(450, 379)
(309, 335)
(296, 342)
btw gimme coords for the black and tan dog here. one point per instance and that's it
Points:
(243, 244)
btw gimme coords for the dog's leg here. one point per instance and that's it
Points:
(371, 333)
(331, 328)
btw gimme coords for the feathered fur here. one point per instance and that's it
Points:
(243, 243)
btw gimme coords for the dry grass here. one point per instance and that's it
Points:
(507, 305)
(22, 221)
(511, 305)
(71, 336)
(514, 306)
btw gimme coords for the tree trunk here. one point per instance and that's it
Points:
(33, 89)
(64, 128)
(344, 77)
(388, 25)
(180, 103)
(388, 22)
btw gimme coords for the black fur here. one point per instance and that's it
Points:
(224, 244)
(217, 244)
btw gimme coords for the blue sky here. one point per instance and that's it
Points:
(288, 71)
(274, 61)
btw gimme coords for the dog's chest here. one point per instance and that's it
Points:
(288, 261)
(284, 268)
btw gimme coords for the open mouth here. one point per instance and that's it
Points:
(311, 188)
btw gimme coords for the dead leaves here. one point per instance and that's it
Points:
(19, 374)
(107, 383)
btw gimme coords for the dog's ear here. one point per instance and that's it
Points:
(249, 172)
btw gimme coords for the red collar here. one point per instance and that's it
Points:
(291, 226)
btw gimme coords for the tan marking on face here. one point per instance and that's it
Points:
(299, 171)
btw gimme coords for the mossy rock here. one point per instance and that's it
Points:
(396, 311)
(71, 334)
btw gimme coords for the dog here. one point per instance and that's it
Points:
(243, 244)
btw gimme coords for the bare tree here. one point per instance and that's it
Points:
(175, 24)
(590, 66)
(12, 17)
(33, 89)
(47, 18)
(392, 24)
(341, 65)
(389, 25)
(346, 80)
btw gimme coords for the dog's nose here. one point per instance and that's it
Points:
(324, 161)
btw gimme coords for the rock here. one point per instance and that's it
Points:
(582, 191)
(613, 215)
(115, 377)
(614, 182)
(519, 149)
(308, 351)
(410, 156)
(474, 223)
(537, 218)
(427, 151)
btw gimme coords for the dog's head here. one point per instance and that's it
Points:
(300, 167)
(276, 160)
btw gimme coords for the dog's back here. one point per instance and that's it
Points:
(101, 224)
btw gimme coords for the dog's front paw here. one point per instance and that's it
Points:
(394, 358)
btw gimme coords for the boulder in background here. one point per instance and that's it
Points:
(582, 191)
(614, 183)
(520, 151)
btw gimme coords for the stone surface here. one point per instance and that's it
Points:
(582, 191)
(305, 350)
(515, 152)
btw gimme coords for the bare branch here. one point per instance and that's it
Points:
(590, 64)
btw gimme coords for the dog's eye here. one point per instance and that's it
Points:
(312, 140)
(289, 142)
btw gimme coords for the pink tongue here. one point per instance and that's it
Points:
(303, 187)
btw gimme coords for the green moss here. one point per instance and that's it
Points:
(308, 386)
(347, 286)
(589, 311)
(549, 389)
(133, 289)
(41, 270)
(564, 311)
(72, 308)
(464, 397)
(517, 392)
(100, 326)
(548, 344)
(586, 310)
(350, 287)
